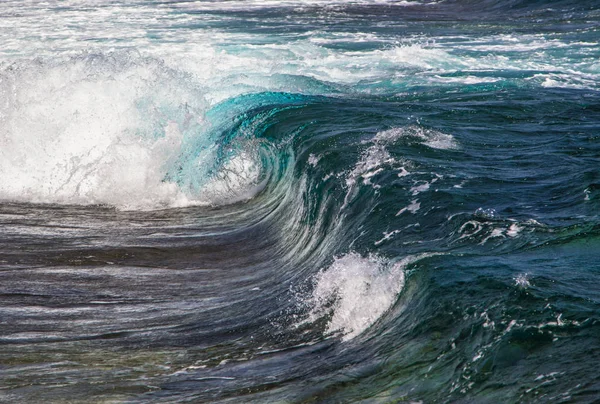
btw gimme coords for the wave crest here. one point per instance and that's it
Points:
(112, 129)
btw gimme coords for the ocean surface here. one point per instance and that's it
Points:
(300, 201)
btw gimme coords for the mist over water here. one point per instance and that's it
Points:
(290, 201)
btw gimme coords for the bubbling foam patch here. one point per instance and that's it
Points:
(429, 137)
(356, 291)
(109, 129)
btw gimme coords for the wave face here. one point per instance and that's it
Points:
(289, 201)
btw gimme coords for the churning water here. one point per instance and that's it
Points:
(299, 201)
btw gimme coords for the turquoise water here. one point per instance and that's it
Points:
(299, 201)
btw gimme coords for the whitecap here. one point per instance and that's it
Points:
(356, 291)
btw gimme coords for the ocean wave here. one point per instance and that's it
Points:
(124, 131)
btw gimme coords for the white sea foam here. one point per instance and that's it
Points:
(356, 291)
(185, 36)
(412, 208)
(313, 160)
(387, 236)
(417, 189)
(429, 137)
(238, 180)
(513, 230)
(495, 233)
(70, 138)
(571, 80)
(370, 164)
(96, 130)
(522, 281)
(466, 79)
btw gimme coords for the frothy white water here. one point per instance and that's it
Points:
(239, 179)
(107, 129)
(429, 137)
(195, 34)
(356, 291)
(72, 135)
(371, 163)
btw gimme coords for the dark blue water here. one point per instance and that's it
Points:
(300, 201)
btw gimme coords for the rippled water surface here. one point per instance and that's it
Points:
(299, 201)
